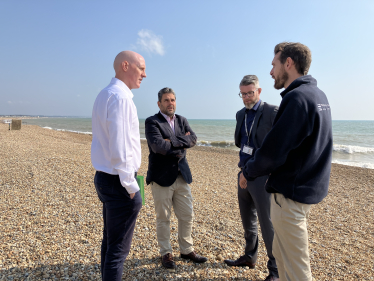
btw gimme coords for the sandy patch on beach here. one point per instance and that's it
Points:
(51, 224)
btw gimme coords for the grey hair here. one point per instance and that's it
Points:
(250, 79)
(165, 90)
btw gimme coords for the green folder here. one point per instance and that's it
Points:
(140, 180)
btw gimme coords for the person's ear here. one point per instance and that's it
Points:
(259, 91)
(159, 104)
(125, 65)
(289, 63)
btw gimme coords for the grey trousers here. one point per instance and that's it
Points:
(254, 202)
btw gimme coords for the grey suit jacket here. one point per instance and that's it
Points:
(264, 119)
(263, 122)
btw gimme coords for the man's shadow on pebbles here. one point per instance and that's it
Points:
(152, 269)
(134, 269)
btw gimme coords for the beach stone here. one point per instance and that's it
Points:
(51, 218)
(219, 257)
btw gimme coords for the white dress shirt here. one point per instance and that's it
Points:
(115, 145)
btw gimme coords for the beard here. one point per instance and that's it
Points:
(281, 79)
(168, 113)
(250, 105)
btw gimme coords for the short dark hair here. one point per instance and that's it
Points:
(299, 53)
(165, 90)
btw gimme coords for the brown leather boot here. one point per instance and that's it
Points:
(194, 257)
(167, 261)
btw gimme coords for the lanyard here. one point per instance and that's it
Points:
(246, 129)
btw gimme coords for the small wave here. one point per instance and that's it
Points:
(85, 133)
(354, 164)
(352, 149)
(77, 132)
(216, 143)
(71, 131)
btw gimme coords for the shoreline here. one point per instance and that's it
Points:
(51, 220)
(221, 145)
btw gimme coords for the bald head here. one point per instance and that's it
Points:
(130, 68)
(128, 56)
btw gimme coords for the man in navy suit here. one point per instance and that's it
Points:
(253, 122)
(168, 136)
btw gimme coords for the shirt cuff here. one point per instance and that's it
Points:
(128, 181)
(132, 187)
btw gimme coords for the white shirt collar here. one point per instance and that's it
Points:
(122, 85)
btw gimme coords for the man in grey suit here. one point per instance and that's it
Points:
(253, 122)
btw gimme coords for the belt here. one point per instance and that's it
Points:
(100, 172)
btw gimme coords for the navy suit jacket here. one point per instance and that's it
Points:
(166, 158)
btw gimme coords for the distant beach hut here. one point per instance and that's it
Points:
(16, 124)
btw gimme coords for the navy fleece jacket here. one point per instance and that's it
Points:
(297, 151)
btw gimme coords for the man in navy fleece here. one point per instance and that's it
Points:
(296, 154)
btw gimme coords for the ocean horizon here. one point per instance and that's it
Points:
(353, 139)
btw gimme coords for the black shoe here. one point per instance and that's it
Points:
(242, 261)
(194, 257)
(271, 278)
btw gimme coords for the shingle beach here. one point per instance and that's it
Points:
(51, 223)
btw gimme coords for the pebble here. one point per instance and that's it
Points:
(51, 218)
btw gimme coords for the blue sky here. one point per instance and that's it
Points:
(55, 56)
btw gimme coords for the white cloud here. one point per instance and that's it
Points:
(150, 42)
(18, 102)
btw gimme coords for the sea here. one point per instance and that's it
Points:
(353, 140)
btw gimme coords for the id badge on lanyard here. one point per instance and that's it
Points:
(247, 149)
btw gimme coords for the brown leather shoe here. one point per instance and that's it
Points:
(167, 261)
(242, 261)
(194, 257)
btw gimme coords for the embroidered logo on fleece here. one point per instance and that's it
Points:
(322, 106)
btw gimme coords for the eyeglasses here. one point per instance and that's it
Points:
(249, 94)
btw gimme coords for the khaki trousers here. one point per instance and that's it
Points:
(178, 196)
(290, 244)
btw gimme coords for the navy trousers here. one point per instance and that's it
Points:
(254, 202)
(119, 216)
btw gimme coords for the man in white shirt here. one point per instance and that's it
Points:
(116, 156)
